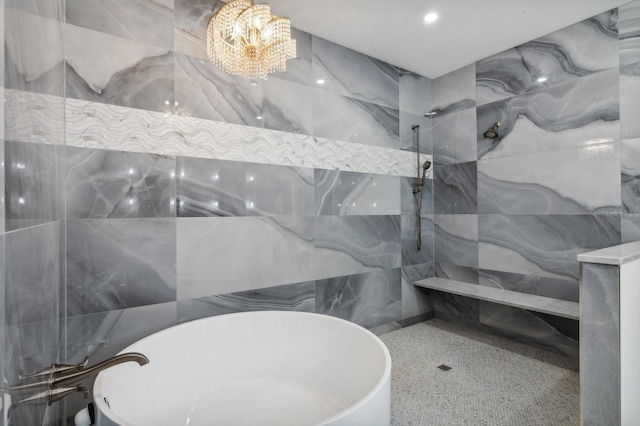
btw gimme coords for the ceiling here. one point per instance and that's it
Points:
(466, 31)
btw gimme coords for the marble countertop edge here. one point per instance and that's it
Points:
(615, 255)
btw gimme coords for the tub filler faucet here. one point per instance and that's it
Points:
(59, 380)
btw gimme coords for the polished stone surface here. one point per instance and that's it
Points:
(516, 299)
(416, 302)
(454, 137)
(349, 193)
(454, 91)
(455, 188)
(409, 200)
(616, 255)
(561, 289)
(456, 239)
(410, 253)
(585, 48)
(629, 57)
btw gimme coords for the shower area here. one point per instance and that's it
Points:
(138, 194)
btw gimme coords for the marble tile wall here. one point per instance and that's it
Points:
(514, 212)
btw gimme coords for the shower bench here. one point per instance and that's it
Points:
(530, 302)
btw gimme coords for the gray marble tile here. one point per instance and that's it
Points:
(350, 193)
(410, 253)
(630, 227)
(527, 327)
(455, 188)
(191, 20)
(545, 246)
(454, 91)
(117, 71)
(454, 137)
(52, 9)
(415, 93)
(119, 263)
(629, 105)
(370, 299)
(456, 239)
(456, 273)
(407, 132)
(34, 273)
(353, 74)
(417, 302)
(629, 38)
(291, 297)
(103, 334)
(228, 254)
(531, 284)
(408, 201)
(456, 309)
(581, 49)
(578, 112)
(116, 184)
(229, 188)
(630, 172)
(33, 59)
(354, 120)
(600, 342)
(146, 21)
(205, 91)
(347, 245)
(32, 178)
(529, 183)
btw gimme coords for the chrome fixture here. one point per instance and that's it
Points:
(59, 380)
(492, 132)
(419, 183)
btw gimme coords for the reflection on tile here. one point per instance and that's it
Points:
(352, 244)
(33, 59)
(417, 302)
(524, 326)
(454, 137)
(455, 188)
(103, 184)
(531, 284)
(205, 91)
(545, 246)
(104, 334)
(454, 91)
(32, 184)
(291, 297)
(579, 112)
(228, 254)
(33, 274)
(456, 239)
(585, 48)
(114, 264)
(370, 299)
(600, 341)
(529, 183)
(117, 71)
(410, 253)
(349, 73)
(147, 21)
(408, 202)
(353, 120)
(229, 188)
(349, 193)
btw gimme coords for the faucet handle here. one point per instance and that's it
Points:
(55, 369)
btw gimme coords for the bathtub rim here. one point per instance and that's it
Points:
(383, 381)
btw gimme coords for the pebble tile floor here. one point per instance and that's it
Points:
(492, 381)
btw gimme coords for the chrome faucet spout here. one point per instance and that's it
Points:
(67, 379)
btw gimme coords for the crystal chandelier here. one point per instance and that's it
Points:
(247, 40)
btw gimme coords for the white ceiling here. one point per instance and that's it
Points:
(467, 30)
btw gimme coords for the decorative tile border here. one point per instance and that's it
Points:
(35, 117)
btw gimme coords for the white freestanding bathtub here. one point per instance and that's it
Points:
(254, 368)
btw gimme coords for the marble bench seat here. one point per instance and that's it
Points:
(531, 302)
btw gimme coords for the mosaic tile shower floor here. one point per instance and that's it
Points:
(492, 381)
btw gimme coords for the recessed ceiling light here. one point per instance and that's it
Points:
(431, 17)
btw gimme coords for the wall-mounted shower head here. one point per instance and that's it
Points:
(492, 132)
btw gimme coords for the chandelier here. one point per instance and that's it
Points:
(247, 40)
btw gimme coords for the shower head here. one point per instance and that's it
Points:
(425, 167)
(492, 132)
